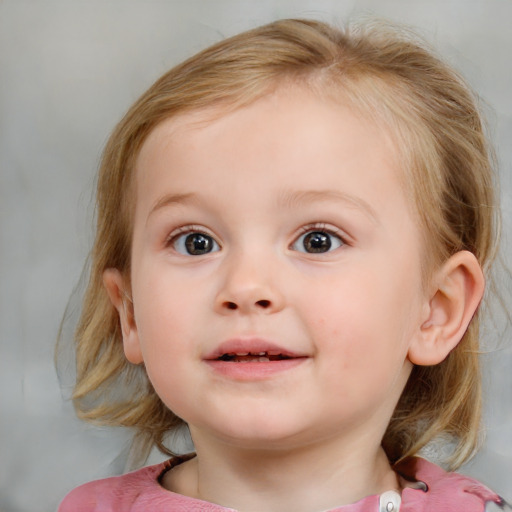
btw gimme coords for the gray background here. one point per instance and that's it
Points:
(69, 69)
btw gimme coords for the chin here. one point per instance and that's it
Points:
(261, 435)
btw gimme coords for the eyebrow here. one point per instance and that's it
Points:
(171, 199)
(287, 199)
(301, 197)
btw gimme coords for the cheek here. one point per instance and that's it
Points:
(364, 321)
(167, 354)
(163, 322)
(167, 304)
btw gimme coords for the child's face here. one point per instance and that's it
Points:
(280, 228)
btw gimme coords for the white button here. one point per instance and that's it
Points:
(390, 501)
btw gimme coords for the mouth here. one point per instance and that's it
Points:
(240, 350)
(248, 357)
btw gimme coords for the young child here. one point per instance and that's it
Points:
(293, 229)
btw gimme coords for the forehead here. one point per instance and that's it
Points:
(307, 123)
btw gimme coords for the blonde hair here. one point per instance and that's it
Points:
(389, 76)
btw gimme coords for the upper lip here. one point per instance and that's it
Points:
(253, 346)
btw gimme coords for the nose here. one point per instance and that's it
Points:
(248, 287)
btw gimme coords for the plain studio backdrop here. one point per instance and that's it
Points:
(69, 69)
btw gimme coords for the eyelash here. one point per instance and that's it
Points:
(324, 228)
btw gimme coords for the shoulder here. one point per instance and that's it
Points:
(441, 490)
(117, 493)
(139, 491)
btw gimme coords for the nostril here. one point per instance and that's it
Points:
(264, 304)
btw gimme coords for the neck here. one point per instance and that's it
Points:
(316, 477)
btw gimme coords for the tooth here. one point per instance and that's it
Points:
(262, 353)
(263, 359)
(242, 353)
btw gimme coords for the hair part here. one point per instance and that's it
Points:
(386, 74)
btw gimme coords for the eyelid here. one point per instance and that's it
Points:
(327, 228)
(171, 238)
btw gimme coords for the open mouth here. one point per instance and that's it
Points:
(252, 359)
(249, 357)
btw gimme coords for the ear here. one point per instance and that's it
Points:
(458, 289)
(116, 288)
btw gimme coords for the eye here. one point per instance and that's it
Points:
(194, 244)
(317, 241)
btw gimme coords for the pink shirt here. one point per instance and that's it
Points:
(140, 491)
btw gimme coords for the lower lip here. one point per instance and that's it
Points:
(254, 370)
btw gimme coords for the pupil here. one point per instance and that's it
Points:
(197, 244)
(317, 242)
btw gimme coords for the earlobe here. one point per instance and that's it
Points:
(458, 290)
(116, 289)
